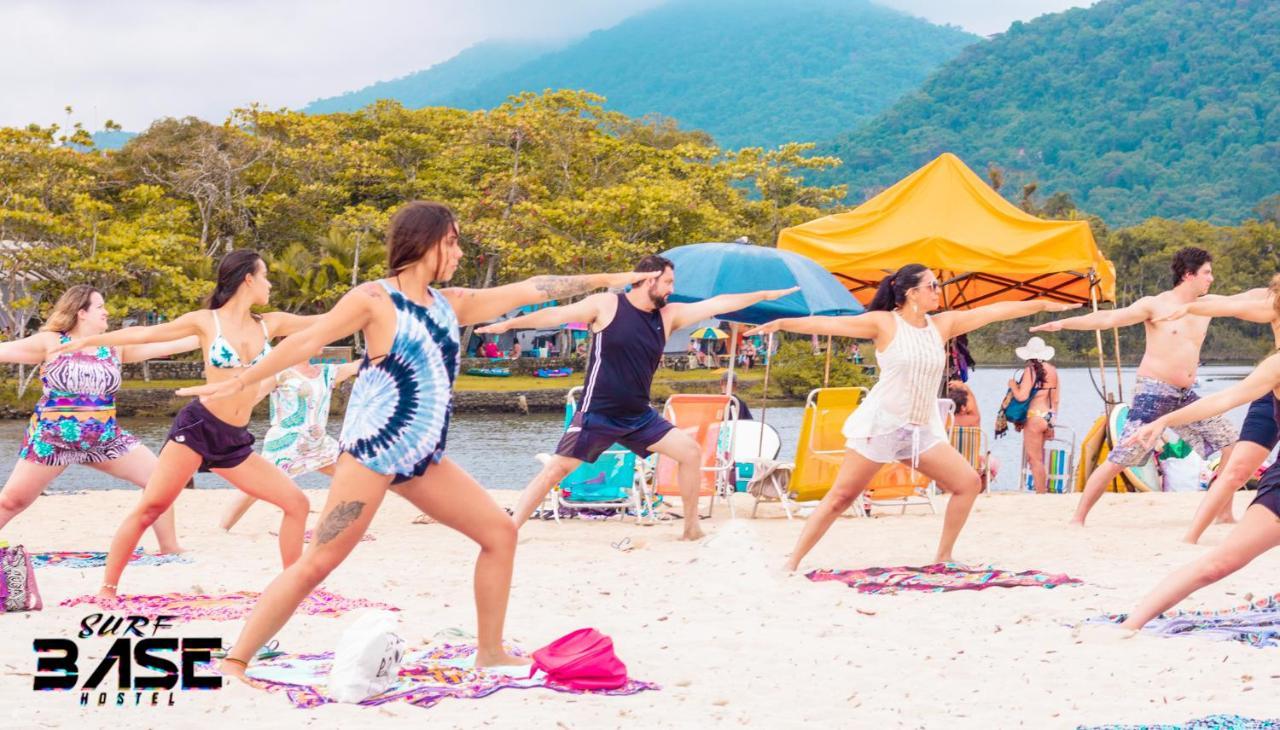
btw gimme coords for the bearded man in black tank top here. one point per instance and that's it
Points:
(629, 332)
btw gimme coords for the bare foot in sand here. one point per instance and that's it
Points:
(232, 670)
(1076, 523)
(501, 659)
(107, 593)
(693, 532)
(1227, 519)
(171, 550)
(1103, 633)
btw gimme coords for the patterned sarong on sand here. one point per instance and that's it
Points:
(1256, 623)
(94, 559)
(226, 607)
(937, 578)
(1212, 722)
(426, 677)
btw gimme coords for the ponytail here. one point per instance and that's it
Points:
(231, 272)
(893, 289)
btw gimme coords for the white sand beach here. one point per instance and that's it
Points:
(732, 641)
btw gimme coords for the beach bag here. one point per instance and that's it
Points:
(583, 659)
(367, 660)
(1013, 410)
(18, 584)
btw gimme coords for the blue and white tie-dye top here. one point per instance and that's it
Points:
(398, 415)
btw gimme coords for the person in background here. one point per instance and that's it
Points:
(727, 381)
(1039, 382)
(515, 351)
(491, 350)
(968, 415)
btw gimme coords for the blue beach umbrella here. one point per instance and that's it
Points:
(705, 270)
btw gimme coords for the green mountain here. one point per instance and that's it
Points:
(431, 87)
(1135, 108)
(750, 72)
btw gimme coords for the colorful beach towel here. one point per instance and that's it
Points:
(1212, 722)
(426, 677)
(94, 559)
(937, 578)
(1256, 623)
(226, 607)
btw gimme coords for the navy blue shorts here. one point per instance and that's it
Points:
(1260, 423)
(591, 434)
(1269, 490)
(219, 444)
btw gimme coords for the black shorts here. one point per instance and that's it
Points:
(1269, 489)
(219, 444)
(1260, 423)
(591, 434)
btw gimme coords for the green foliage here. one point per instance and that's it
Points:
(749, 72)
(797, 370)
(1135, 108)
(544, 183)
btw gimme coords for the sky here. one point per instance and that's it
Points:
(135, 61)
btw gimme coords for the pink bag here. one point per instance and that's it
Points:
(583, 659)
(19, 578)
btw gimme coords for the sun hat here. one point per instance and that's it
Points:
(1035, 349)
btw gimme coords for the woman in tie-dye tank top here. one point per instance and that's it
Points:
(75, 419)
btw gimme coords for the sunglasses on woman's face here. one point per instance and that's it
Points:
(934, 285)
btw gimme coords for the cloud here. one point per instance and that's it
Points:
(134, 62)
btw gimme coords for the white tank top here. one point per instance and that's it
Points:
(911, 370)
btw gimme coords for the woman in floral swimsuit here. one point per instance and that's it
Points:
(75, 420)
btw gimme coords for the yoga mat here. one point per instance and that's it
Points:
(226, 607)
(937, 578)
(1256, 623)
(94, 559)
(426, 677)
(1212, 722)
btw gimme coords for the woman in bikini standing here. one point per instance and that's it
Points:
(393, 435)
(75, 420)
(899, 419)
(213, 436)
(1039, 383)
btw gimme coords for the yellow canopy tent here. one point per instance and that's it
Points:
(983, 248)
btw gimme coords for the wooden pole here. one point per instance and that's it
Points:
(1097, 334)
(764, 397)
(826, 372)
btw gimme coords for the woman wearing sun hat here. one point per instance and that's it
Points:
(1039, 382)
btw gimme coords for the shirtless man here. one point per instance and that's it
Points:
(629, 332)
(1259, 432)
(1165, 375)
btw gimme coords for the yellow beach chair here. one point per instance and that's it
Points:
(819, 450)
(706, 418)
(972, 444)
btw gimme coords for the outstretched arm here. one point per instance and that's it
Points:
(184, 326)
(683, 315)
(865, 326)
(1254, 305)
(30, 350)
(352, 313)
(481, 305)
(283, 324)
(138, 353)
(586, 310)
(961, 321)
(1263, 379)
(1139, 311)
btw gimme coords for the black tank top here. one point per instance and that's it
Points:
(624, 357)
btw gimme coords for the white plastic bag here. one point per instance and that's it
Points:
(367, 659)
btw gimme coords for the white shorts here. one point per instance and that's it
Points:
(903, 444)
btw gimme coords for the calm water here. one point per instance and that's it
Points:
(498, 449)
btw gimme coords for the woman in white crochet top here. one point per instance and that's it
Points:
(899, 419)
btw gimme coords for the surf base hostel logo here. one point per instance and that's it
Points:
(140, 666)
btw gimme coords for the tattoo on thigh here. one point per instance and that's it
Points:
(337, 520)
